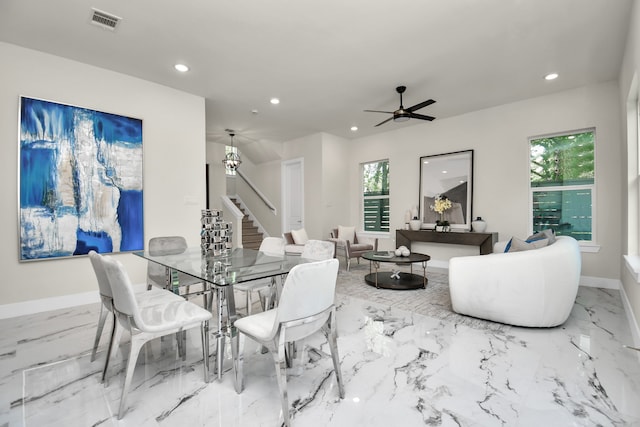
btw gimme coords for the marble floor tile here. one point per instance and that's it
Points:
(406, 359)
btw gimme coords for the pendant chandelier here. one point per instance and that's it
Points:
(232, 158)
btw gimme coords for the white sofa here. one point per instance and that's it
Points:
(535, 288)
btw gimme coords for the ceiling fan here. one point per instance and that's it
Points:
(403, 114)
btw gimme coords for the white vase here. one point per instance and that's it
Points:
(478, 225)
(415, 224)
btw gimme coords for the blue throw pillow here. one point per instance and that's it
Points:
(544, 234)
(506, 248)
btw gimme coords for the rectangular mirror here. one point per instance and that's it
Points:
(449, 175)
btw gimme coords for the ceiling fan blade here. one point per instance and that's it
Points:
(420, 105)
(378, 111)
(381, 123)
(420, 116)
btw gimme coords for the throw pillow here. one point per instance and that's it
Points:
(299, 236)
(544, 234)
(519, 245)
(346, 233)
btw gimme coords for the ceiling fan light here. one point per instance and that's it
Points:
(401, 117)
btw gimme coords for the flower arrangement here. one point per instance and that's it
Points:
(440, 205)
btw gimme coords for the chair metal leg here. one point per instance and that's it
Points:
(114, 343)
(346, 258)
(248, 302)
(183, 338)
(101, 321)
(290, 353)
(204, 331)
(179, 343)
(281, 375)
(136, 345)
(333, 345)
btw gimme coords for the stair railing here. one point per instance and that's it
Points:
(236, 219)
(257, 191)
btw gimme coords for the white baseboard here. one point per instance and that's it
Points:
(633, 323)
(53, 303)
(631, 318)
(47, 304)
(600, 282)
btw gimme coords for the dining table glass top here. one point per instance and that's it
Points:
(240, 265)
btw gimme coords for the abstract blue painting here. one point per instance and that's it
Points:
(80, 181)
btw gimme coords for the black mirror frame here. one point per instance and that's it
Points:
(467, 204)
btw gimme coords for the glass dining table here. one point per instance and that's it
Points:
(219, 274)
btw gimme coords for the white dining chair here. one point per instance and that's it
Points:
(144, 298)
(305, 307)
(147, 323)
(265, 288)
(317, 250)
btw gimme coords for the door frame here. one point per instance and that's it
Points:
(285, 193)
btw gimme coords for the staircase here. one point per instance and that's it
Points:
(251, 237)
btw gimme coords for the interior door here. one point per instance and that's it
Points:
(292, 195)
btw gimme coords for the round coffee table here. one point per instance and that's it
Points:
(396, 279)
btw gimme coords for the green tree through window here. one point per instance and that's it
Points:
(375, 185)
(562, 183)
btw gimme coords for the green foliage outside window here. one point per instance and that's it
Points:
(562, 160)
(375, 184)
(562, 183)
(376, 178)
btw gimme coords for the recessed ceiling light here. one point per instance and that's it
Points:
(275, 101)
(551, 76)
(354, 128)
(181, 67)
(444, 171)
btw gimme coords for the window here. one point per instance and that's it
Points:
(375, 196)
(563, 183)
(230, 149)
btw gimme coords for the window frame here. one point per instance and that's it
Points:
(363, 198)
(586, 245)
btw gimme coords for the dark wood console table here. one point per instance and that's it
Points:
(484, 241)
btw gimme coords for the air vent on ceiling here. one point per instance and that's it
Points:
(104, 19)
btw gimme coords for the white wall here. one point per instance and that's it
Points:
(217, 174)
(174, 162)
(498, 137)
(335, 178)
